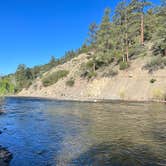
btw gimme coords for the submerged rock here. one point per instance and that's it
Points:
(5, 156)
(1, 112)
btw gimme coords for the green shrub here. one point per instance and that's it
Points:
(156, 63)
(70, 82)
(91, 74)
(54, 77)
(90, 64)
(153, 81)
(110, 73)
(123, 65)
(87, 70)
(88, 74)
(6, 87)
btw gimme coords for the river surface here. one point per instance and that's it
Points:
(56, 133)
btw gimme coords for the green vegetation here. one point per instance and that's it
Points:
(24, 76)
(153, 80)
(110, 73)
(159, 94)
(88, 70)
(125, 38)
(123, 65)
(6, 87)
(157, 62)
(70, 82)
(54, 77)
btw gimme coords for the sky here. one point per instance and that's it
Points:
(31, 31)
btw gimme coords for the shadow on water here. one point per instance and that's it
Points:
(119, 154)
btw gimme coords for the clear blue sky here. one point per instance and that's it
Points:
(31, 31)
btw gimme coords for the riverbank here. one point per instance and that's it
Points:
(132, 84)
(89, 100)
(5, 156)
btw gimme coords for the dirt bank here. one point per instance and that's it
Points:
(133, 84)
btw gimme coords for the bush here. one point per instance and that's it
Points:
(153, 81)
(87, 70)
(54, 77)
(123, 65)
(156, 63)
(110, 73)
(6, 87)
(70, 82)
(91, 74)
(159, 94)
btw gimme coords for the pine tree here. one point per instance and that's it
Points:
(119, 22)
(104, 40)
(122, 20)
(103, 35)
(139, 6)
(160, 35)
(162, 29)
(52, 61)
(92, 35)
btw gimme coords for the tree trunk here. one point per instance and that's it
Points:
(94, 67)
(126, 35)
(142, 29)
(127, 53)
(127, 46)
(123, 58)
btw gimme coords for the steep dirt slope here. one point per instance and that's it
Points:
(131, 84)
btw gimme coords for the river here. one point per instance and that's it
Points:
(42, 132)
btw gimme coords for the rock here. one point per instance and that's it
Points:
(5, 157)
(40, 152)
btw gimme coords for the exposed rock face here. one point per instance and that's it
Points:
(5, 157)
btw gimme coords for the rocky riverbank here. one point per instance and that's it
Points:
(5, 155)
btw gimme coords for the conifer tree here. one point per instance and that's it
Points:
(92, 35)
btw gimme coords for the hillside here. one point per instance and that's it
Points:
(133, 83)
(124, 57)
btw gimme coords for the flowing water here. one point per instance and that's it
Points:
(56, 133)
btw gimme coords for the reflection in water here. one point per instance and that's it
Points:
(42, 132)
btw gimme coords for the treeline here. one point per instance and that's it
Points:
(24, 76)
(124, 35)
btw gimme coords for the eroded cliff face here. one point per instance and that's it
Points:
(133, 83)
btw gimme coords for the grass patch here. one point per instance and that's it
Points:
(159, 94)
(54, 77)
(123, 65)
(122, 93)
(70, 82)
